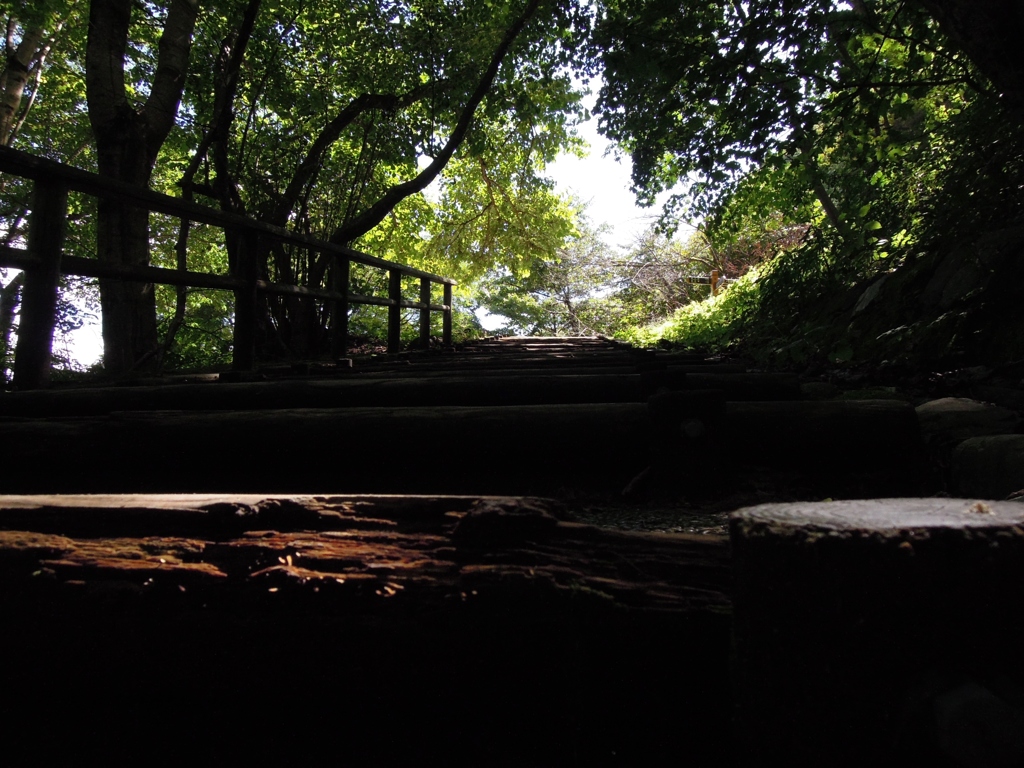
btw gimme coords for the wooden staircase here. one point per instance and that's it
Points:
(506, 416)
(359, 555)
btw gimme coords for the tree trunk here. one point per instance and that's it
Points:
(128, 139)
(129, 308)
(15, 77)
(10, 298)
(989, 32)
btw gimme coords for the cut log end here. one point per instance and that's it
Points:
(875, 516)
(855, 620)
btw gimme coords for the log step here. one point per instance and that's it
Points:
(523, 449)
(538, 449)
(416, 631)
(504, 388)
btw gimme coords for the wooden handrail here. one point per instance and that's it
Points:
(17, 163)
(44, 259)
(19, 258)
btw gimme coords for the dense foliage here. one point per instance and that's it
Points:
(331, 119)
(858, 123)
(591, 287)
(827, 142)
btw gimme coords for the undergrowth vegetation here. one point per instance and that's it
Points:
(714, 324)
(893, 152)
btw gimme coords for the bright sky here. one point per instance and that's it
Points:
(86, 343)
(602, 182)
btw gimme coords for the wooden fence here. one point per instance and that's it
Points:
(44, 262)
(715, 280)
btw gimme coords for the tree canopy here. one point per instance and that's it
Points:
(419, 131)
(711, 92)
(331, 119)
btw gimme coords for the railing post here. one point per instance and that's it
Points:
(425, 313)
(395, 311)
(446, 333)
(339, 310)
(244, 358)
(42, 283)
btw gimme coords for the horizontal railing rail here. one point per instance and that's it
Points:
(44, 262)
(715, 279)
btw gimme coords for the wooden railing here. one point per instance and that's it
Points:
(715, 280)
(44, 262)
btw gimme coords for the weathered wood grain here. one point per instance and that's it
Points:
(437, 630)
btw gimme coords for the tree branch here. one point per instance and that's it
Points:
(989, 33)
(161, 108)
(15, 77)
(310, 164)
(229, 66)
(37, 77)
(379, 210)
(104, 61)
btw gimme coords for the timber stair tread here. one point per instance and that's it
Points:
(613, 374)
(507, 387)
(418, 630)
(501, 432)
